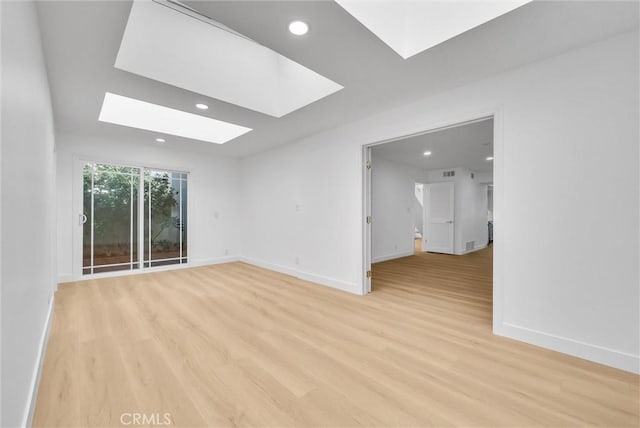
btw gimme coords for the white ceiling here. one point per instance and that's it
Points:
(81, 41)
(465, 146)
(410, 27)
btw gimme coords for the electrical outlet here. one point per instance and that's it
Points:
(216, 215)
(226, 251)
(297, 260)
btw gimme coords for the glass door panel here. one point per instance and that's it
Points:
(110, 232)
(165, 218)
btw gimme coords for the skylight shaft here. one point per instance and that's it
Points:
(125, 111)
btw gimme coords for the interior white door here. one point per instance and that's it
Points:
(439, 213)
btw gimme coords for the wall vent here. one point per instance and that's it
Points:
(449, 174)
(470, 245)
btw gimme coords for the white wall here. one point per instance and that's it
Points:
(28, 208)
(564, 281)
(393, 204)
(214, 186)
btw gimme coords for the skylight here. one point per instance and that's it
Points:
(152, 117)
(410, 27)
(170, 43)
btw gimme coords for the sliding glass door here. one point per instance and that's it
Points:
(118, 227)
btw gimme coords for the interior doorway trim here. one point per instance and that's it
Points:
(498, 197)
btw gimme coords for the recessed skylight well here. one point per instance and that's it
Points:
(410, 27)
(126, 111)
(163, 43)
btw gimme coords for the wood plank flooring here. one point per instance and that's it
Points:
(236, 345)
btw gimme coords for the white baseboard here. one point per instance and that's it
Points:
(587, 351)
(393, 256)
(214, 261)
(306, 276)
(37, 370)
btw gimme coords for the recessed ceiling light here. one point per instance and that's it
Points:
(427, 153)
(489, 158)
(160, 140)
(202, 106)
(127, 111)
(298, 28)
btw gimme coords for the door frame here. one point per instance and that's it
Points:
(77, 207)
(498, 196)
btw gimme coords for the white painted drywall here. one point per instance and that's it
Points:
(565, 281)
(214, 186)
(28, 208)
(393, 203)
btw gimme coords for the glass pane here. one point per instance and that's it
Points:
(162, 213)
(103, 269)
(87, 175)
(183, 197)
(114, 194)
(135, 184)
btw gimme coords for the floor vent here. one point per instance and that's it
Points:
(470, 245)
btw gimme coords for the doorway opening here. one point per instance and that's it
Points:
(429, 207)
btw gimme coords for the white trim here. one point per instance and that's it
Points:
(353, 288)
(37, 370)
(215, 261)
(498, 242)
(366, 211)
(587, 351)
(392, 256)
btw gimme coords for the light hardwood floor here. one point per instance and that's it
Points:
(235, 345)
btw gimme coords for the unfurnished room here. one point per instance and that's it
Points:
(330, 213)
